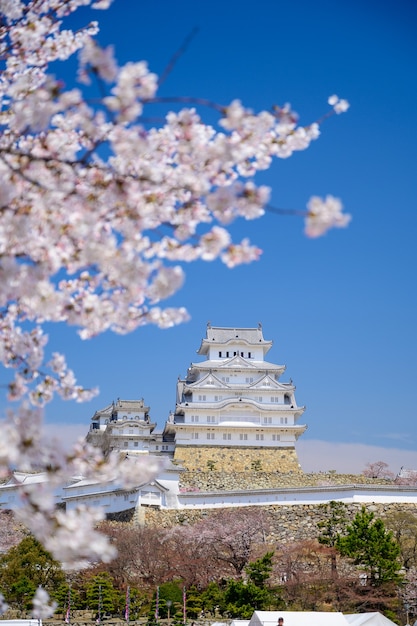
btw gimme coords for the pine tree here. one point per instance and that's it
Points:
(26, 567)
(372, 547)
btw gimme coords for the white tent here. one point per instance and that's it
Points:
(313, 618)
(298, 618)
(370, 619)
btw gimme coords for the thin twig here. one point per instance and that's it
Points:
(173, 60)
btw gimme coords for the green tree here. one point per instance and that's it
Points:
(66, 596)
(242, 599)
(102, 596)
(212, 599)
(260, 570)
(194, 602)
(26, 567)
(168, 592)
(372, 547)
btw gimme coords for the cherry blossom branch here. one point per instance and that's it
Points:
(98, 218)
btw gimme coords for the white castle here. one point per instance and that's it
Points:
(233, 418)
(232, 401)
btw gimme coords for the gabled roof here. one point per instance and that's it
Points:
(223, 335)
(24, 478)
(273, 384)
(204, 381)
(130, 406)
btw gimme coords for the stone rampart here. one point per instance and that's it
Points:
(286, 523)
(229, 480)
(219, 459)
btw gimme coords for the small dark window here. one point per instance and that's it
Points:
(220, 354)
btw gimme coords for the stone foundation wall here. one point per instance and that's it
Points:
(253, 479)
(285, 523)
(237, 460)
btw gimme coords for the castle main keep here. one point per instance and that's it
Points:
(232, 414)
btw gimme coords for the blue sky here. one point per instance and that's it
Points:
(341, 310)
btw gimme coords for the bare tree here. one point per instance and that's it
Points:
(403, 525)
(233, 535)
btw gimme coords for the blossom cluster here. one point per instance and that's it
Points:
(99, 212)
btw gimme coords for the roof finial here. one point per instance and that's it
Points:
(208, 324)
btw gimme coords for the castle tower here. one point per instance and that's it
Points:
(123, 425)
(232, 412)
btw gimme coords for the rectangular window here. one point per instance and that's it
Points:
(211, 419)
(201, 398)
(249, 380)
(267, 420)
(194, 436)
(225, 379)
(220, 355)
(227, 354)
(210, 435)
(243, 437)
(136, 444)
(125, 444)
(259, 437)
(194, 418)
(249, 355)
(284, 420)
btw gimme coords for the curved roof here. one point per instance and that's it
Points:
(236, 362)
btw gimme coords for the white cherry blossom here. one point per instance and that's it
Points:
(42, 607)
(323, 215)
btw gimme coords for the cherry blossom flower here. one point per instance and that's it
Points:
(42, 607)
(339, 105)
(323, 215)
(3, 605)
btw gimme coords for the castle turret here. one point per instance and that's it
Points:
(232, 410)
